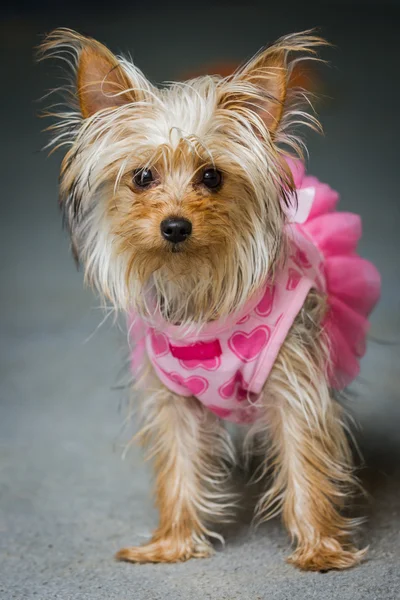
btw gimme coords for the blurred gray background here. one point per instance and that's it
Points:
(67, 499)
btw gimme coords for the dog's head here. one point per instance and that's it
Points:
(177, 193)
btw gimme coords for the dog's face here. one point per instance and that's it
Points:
(176, 193)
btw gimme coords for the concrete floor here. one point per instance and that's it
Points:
(68, 501)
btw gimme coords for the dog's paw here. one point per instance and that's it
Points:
(326, 555)
(166, 550)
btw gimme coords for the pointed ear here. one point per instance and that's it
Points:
(262, 83)
(267, 71)
(100, 79)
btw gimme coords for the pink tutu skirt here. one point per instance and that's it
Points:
(353, 284)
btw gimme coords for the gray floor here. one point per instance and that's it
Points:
(68, 501)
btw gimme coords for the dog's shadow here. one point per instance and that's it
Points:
(378, 473)
(380, 477)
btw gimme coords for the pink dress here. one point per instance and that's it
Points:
(227, 362)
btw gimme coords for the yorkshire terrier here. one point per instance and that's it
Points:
(246, 300)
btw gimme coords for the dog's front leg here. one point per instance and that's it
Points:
(191, 451)
(308, 453)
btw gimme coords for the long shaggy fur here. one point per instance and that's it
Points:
(116, 122)
(192, 455)
(178, 130)
(306, 450)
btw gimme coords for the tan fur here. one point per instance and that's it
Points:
(244, 126)
(306, 449)
(177, 131)
(191, 452)
(302, 439)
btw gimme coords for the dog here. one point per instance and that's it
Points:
(189, 209)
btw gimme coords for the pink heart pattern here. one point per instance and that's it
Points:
(301, 260)
(293, 280)
(209, 364)
(197, 385)
(236, 386)
(247, 346)
(159, 343)
(264, 307)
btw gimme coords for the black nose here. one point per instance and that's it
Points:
(175, 230)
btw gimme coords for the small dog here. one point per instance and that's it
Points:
(246, 299)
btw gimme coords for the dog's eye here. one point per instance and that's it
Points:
(143, 177)
(212, 178)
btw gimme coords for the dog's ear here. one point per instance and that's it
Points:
(261, 85)
(267, 72)
(100, 79)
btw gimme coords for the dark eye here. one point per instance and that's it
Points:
(212, 178)
(143, 177)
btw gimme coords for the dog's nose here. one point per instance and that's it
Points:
(175, 230)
